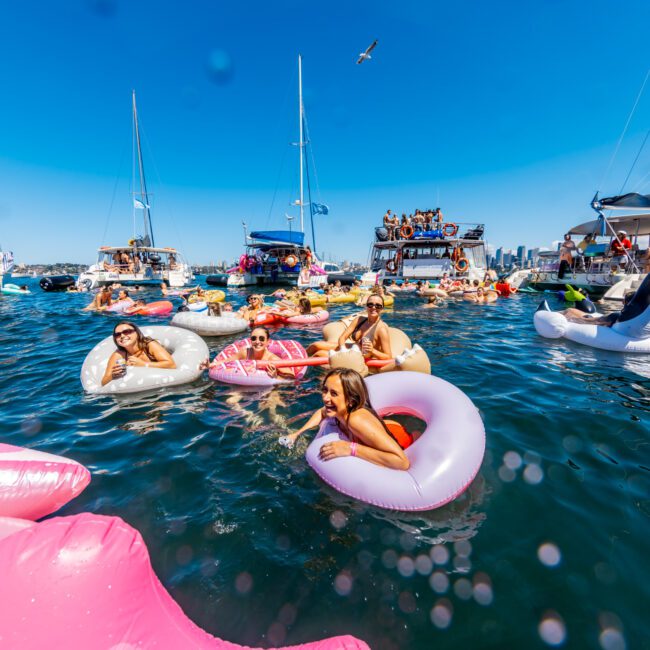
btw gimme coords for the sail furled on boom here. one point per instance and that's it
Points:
(630, 201)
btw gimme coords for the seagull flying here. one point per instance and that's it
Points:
(366, 55)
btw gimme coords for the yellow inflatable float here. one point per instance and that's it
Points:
(214, 295)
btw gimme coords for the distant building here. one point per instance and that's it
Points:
(499, 257)
(521, 256)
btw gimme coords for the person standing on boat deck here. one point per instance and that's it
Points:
(567, 251)
(619, 245)
(438, 216)
(388, 224)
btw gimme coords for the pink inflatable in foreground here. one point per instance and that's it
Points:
(34, 484)
(444, 459)
(246, 373)
(86, 582)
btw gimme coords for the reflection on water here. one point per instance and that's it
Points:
(547, 546)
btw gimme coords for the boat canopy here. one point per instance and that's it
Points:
(633, 224)
(631, 201)
(279, 236)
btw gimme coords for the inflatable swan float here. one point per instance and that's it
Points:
(629, 333)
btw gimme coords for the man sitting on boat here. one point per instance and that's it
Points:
(620, 244)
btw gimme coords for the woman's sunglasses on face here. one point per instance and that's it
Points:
(374, 305)
(121, 333)
(261, 339)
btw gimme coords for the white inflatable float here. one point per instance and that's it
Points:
(629, 333)
(444, 459)
(187, 349)
(205, 325)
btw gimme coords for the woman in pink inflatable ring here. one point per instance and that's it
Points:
(345, 399)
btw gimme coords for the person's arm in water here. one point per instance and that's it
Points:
(314, 421)
(376, 445)
(162, 358)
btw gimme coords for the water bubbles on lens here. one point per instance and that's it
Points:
(463, 589)
(243, 583)
(423, 565)
(462, 564)
(439, 554)
(439, 582)
(389, 558)
(506, 474)
(611, 639)
(572, 444)
(276, 633)
(407, 541)
(338, 520)
(483, 594)
(512, 460)
(287, 614)
(552, 630)
(549, 554)
(463, 548)
(220, 68)
(31, 426)
(533, 474)
(442, 613)
(406, 566)
(343, 583)
(406, 602)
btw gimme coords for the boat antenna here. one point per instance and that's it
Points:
(148, 229)
(301, 144)
(620, 140)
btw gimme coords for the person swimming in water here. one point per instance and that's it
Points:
(134, 349)
(346, 402)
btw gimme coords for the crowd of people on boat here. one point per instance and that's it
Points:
(620, 253)
(132, 261)
(420, 220)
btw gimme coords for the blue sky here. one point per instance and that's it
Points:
(505, 113)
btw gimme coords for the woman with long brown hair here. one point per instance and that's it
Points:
(345, 399)
(134, 349)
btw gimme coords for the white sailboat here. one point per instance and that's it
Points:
(281, 256)
(139, 261)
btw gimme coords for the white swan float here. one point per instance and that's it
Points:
(629, 333)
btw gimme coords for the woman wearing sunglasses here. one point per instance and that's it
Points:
(254, 304)
(368, 331)
(259, 351)
(134, 349)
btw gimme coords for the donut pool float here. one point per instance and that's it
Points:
(247, 373)
(308, 319)
(213, 295)
(86, 581)
(158, 308)
(34, 483)
(205, 325)
(187, 349)
(444, 459)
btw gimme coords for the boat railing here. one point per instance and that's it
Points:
(470, 231)
(600, 260)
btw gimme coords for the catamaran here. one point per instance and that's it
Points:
(281, 256)
(140, 261)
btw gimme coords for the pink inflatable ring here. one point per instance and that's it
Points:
(444, 459)
(86, 582)
(34, 484)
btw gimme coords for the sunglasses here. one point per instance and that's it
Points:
(261, 339)
(122, 333)
(374, 305)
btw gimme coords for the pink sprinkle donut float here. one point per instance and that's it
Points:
(86, 581)
(34, 483)
(308, 319)
(444, 459)
(246, 373)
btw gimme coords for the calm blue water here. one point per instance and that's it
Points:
(549, 545)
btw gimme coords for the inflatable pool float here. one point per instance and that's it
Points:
(307, 319)
(119, 306)
(14, 289)
(266, 318)
(187, 349)
(444, 459)
(213, 295)
(205, 325)
(197, 306)
(34, 484)
(554, 325)
(158, 308)
(504, 289)
(246, 373)
(434, 291)
(579, 299)
(86, 581)
(315, 299)
(342, 299)
(56, 282)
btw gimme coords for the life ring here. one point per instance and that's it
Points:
(462, 265)
(290, 261)
(391, 265)
(406, 231)
(449, 229)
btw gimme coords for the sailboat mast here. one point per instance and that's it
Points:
(148, 229)
(301, 144)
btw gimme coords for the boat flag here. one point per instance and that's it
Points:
(320, 208)
(139, 204)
